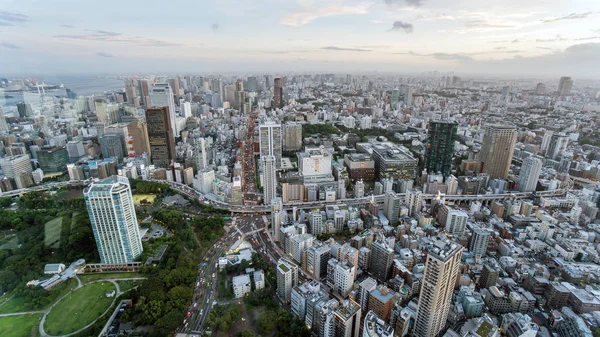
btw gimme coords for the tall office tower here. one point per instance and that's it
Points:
(145, 91)
(25, 109)
(546, 140)
(382, 258)
(497, 150)
(557, 145)
(13, 166)
(391, 207)
(239, 95)
(277, 217)
(374, 326)
(278, 93)
(395, 98)
(138, 130)
(270, 140)
(160, 136)
(564, 86)
(174, 84)
(381, 301)
(530, 173)
(489, 276)
(186, 109)
(287, 279)
(441, 269)
(112, 146)
(270, 179)
(364, 289)
(317, 257)
(315, 220)
(131, 91)
(440, 147)
(75, 150)
(540, 89)
(161, 95)
(4, 125)
(413, 201)
(292, 136)
(101, 111)
(456, 222)
(347, 319)
(114, 223)
(479, 241)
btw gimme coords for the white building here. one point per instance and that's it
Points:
(530, 173)
(259, 279)
(456, 222)
(270, 179)
(314, 161)
(161, 94)
(114, 223)
(287, 279)
(270, 140)
(241, 285)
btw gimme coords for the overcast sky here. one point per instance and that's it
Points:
(525, 37)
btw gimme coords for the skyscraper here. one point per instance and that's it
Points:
(497, 150)
(530, 173)
(564, 86)
(441, 268)
(440, 147)
(557, 145)
(317, 257)
(391, 207)
(395, 98)
(174, 84)
(131, 91)
(278, 93)
(270, 179)
(114, 223)
(138, 130)
(277, 217)
(160, 136)
(161, 95)
(270, 140)
(479, 241)
(3, 124)
(292, 136)
(145, 91)
(382, 258)
(287, 279)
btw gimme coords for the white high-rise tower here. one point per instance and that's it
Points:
(530, 173)
(160, 94)
(270, 179)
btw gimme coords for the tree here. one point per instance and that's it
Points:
(250, 333)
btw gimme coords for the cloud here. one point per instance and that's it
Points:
(441, 56)
(405, 26)
(587, 38)
(101, 54)
(108, 36)
(9, 45)
(214, 27)
(488, 24)
(302, 17)
(506, 41)
(67, 26)
(346, 49)
(572, 16)
(377, 22)
(435, 17)
(12, 18)
(554, 39)
(412, 3)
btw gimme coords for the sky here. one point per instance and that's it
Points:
(516, 37)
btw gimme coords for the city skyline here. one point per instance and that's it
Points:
(508, 37)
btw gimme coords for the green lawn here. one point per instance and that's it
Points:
(52, 230)
(127, 285)
(79, 308)
(85, 278)
(20, 326)
(17, 304)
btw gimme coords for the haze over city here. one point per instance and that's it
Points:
(509, 37)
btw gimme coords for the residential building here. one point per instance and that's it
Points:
(160, 136)
(530, 173)
(113, 220)
(374, 326)
(270, 179)
(479, 241)
(241, 285)
(456, 222)
(382, 258)
(292, 136)
(347, 319)
(440, 147)
(381, 302)
(270, 140)
(497, 150)
(287, 279)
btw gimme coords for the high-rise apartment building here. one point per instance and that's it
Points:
(440, 147)
(270, 140)
(364, 290)
(278, 93)
(479, 241)
(317, 257)
(382, 258)
(441, 269)
(277, 217)
(12, 166)
(287, 279)
(391, 207)
(381, 301)
(557, 145)
(131, 91)
(114, 223)
(138, 130)
(292, 136)
(315, 220)
(530, 173)
(456, 222)
(564, 86)
(160, 136)
(161, 95)
(174, 84)
(4, 125)
(270, 179)
(413, 201)
(489, 276)
(347, 319)
(497, 150)
(144, 88)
